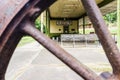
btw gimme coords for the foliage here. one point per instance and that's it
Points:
(25, 40)
(111, 17)
(38, 25)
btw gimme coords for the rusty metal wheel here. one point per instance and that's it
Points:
(22, 23)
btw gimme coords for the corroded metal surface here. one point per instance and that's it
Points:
(22, 24)
(109, 46)
(7, 52)
(8, 9)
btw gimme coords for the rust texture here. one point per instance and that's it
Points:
(20, 23)
(11, 36)
(9, 8)
(110, 48)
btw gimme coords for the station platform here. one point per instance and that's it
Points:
(33, 62)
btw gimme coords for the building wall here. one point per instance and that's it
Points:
(59, 28)
(74, 27)
(55, 28)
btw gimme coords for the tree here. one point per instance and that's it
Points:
(111, 17)
(38, 23)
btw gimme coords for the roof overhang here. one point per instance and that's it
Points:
(74, 9)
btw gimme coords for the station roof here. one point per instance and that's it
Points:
(74, 8)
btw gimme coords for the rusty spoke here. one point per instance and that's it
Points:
(15, 22)
(11, 36)
(104, 35)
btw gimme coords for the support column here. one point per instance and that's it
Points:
(83, 24)
(42, 17)
(118, 22)
(78, 26)
(46, 27)
(47, 23)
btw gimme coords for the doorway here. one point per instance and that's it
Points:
(66, 29)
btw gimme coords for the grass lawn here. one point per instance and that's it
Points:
(113, 30)
(25, 40)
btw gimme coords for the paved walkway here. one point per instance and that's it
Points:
(33, 62)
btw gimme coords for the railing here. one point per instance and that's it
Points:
(79, 38)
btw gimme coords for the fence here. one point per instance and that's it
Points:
(79, 39)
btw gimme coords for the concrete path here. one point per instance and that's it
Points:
(33, 62)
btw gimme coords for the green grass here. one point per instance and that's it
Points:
(112, 30)
(25, 40)
(99, 67)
